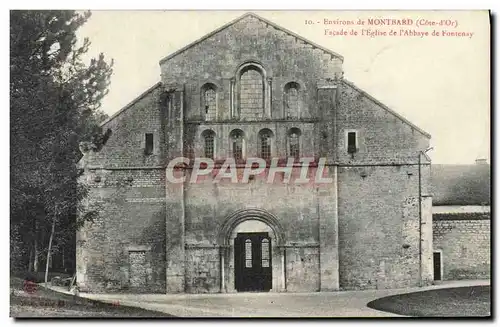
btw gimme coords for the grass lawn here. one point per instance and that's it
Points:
(45, 303)
(472, 301)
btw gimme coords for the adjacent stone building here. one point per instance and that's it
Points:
(461, 221)
(252, 89)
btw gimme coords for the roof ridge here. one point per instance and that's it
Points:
(385, 107)
(234, 21)
(130, 104)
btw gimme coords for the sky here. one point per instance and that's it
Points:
(439, 83)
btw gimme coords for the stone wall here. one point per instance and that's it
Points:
(302, 269)
(130, 226)
(465, 242)
(379, 227)
(383, 136)
(125, 147)
(208, 205)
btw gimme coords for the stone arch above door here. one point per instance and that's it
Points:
(237, 217)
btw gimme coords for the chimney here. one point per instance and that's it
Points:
(481, 161)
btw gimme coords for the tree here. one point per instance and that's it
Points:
(55, 104)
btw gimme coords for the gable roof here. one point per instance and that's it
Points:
(461, 184)
(383, 106)
(131, 103)
(268, 22)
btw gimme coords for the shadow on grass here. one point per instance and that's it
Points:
(474, 301)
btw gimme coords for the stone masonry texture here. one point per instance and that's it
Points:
(359, 232)
(464, 240)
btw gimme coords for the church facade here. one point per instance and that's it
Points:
(254, 90)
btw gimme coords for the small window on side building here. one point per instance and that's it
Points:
(148, 148)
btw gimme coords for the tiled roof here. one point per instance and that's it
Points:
(461, 184)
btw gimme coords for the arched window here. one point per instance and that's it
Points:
(209, 101)
(209, 140)
(292, 103)
(251, 95)
(294, 143)
(265, 253)
(265, 142)
(237, 143)
(248, 253)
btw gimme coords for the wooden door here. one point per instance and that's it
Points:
(252, 262)
(437, 266)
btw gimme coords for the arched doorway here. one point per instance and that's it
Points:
(253, 255)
